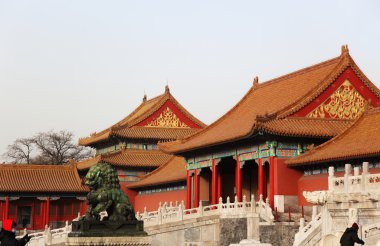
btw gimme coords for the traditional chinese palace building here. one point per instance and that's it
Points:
(39, 195)
(277, 141)
(359, 143)
(245, 151)
(131, 147)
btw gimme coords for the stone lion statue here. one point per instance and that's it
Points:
(105, 195)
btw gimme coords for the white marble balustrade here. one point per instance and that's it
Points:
(48, 237)
(345, 196)
(306, 232)
(356, 182)
(169, 213)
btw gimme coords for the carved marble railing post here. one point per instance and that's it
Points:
(48, 240)
(200, 208)
(228, 203)
(356, 171)
(159, 215)
(236, 204)
(46, 230)
(260, 202)
(220, 204)
(347, 173)
(180, 212)
(183, 204)
(67, 227)
(253, 204)
(244, 206)
(302, 223)
(331, 178)
(314, 213)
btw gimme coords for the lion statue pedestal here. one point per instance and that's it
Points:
(120, 227)
(110, 228)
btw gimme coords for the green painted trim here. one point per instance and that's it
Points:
(246, 153)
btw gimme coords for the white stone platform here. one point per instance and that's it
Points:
(251, 242)
(114, 241)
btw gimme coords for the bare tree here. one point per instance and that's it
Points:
(51, 147)
(20, 151)
(58, 147)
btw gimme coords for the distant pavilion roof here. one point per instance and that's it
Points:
(129, 126)
(361, 140)
(128, 158)
(172, 171)
(271, 107)
(30, 178)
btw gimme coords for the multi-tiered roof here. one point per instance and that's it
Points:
(160, 118)
(319, 101)
(128, 158)
(361, 140)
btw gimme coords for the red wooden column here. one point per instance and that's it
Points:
(238, 180)
(43, 211)
(196, 188)
(47, 211)
(271, 181)
(265, 187)
(219, 185)
(6, 207)
(188, 190)
(214, 181)
(261, 175)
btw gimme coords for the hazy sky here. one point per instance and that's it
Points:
(83, 65)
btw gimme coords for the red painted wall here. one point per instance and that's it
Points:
(151, 201)
(285, 178)
(318, 182)
(61, 210)
(312, 183)
(129, 192)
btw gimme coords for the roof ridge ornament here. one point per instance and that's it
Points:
(266, 117)
(167, 90)
(255, 81)
(345, 50)
(145, 97)
(123, 148)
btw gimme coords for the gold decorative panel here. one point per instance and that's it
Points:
(167, 119)
(345, 103)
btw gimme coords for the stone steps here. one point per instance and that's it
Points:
(294, 217)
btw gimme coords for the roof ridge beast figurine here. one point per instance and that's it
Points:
(105, 195)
